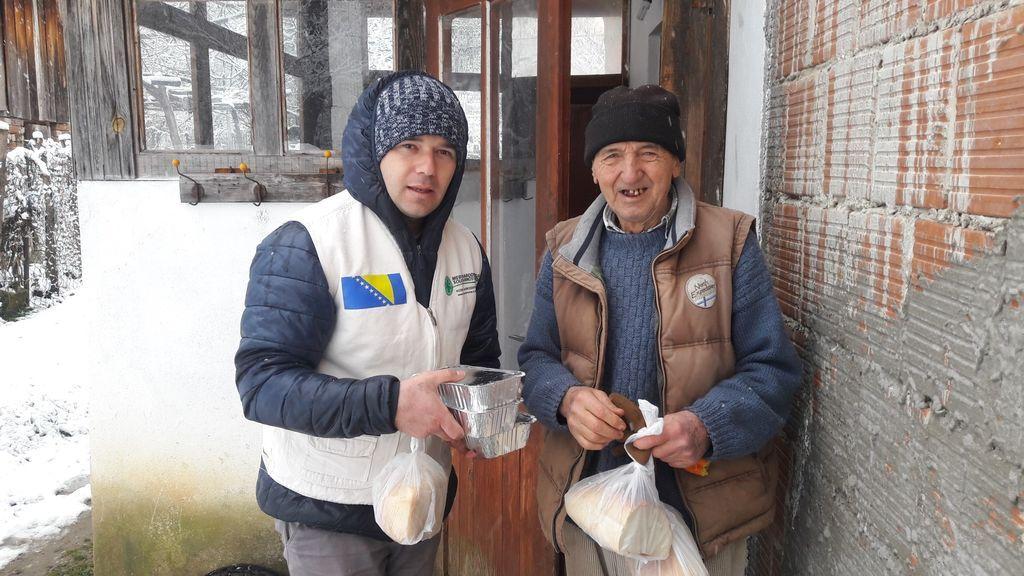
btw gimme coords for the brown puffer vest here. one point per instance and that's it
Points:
(695, 349)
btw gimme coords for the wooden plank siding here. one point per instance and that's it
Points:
(20, 58)
(54, 85)
(3, 64)
(34, 66)
(95, 45)
(695, 66)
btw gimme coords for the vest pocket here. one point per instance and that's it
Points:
(340, 462)
(360, 446)
(738, 494)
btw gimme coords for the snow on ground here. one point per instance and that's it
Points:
(44, 442)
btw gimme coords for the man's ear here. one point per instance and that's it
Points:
(593, 175)
(677, 170)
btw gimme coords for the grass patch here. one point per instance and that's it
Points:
(74, 562)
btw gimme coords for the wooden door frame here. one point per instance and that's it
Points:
(436, 9)
(554, 69)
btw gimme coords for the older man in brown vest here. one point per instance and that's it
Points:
(655, 295)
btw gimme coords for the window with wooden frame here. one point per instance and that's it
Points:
(252, 78)
(215, 84)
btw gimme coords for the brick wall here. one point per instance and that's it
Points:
(893, 176)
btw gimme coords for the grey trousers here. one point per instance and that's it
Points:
(313, 552)
(583, 557)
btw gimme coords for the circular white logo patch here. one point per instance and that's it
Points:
(702, 290)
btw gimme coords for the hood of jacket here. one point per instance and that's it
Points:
(363, 180)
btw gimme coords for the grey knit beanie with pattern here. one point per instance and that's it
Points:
(415, 105)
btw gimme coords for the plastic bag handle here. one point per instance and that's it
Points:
(635, 421)
(417, 445)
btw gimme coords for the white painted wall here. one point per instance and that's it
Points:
(166, 283)
(745, 105)
(642, 51)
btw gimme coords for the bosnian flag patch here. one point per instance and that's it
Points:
(372, 291)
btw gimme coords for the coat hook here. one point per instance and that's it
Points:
(259, 191)
(197, 188)
(326, 171)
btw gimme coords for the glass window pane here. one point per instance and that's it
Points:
(380, 38)
(333, 49)
(513, 208)
(596, 37)
(524, 47)
(465, 47)
(460, 68)
(462, 65)
(470, 100)
(195, 75)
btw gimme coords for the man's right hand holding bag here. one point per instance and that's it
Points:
(620, 509)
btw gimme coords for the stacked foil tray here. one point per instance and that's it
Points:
(486, 404)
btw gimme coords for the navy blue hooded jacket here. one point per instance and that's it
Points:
(290, 316)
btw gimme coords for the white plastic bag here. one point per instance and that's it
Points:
(620, 508)
(684, 558)
(409, 496)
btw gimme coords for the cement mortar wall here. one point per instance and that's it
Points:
(893, 179)
(174, 461)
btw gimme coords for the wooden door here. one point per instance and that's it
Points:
(494, 528)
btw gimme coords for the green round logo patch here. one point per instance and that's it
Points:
(448, 287)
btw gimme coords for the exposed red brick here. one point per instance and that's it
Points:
(786, 241)
(940, 9)
(881, 20)
(793, 48)
(805, 105)
(834, 32)
(988, 156)
(914, 85)
(875, 251)
(848, 128)
(937, 246)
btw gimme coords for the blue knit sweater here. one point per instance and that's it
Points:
(631, 365)
(741, 413)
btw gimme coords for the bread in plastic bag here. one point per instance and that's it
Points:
(620, 508)
(684, 557)
(409, 496)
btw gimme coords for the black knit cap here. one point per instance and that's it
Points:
(644, 114)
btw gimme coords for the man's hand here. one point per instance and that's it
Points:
(593, 420)
(682, 443)
(421, 412)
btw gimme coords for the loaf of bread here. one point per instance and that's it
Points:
(634, 529)
(684, 558)
(408, 508)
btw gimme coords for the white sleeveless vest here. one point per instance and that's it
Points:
(380, 329)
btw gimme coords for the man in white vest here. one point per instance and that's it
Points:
(350, 318)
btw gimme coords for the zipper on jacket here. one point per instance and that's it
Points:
(437, 339)
(663, 382)
(597, 384)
